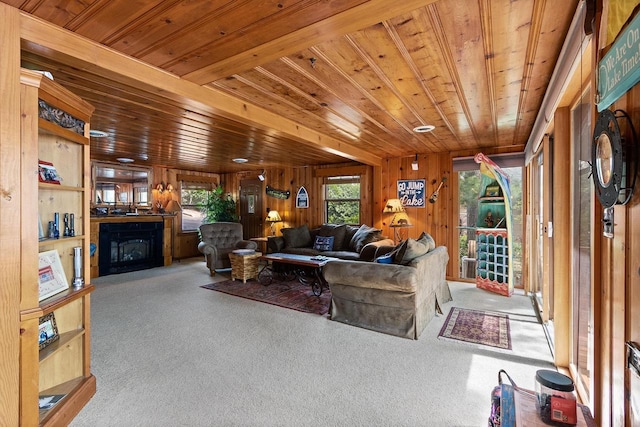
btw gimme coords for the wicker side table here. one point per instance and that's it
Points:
(244, 266)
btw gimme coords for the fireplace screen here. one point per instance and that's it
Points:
(129, 247)
(130, 250)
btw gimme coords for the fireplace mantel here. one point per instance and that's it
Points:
(166, 220)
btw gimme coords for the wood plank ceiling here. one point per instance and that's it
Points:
(313, 81)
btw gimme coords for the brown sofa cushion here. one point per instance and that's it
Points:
(297, 237)
(338, 232)
(348, 235)
(364, 235)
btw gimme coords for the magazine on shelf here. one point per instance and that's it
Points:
(48, 173)
(48, 401)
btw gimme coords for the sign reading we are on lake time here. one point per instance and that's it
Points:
(411, 193)
(619, 69)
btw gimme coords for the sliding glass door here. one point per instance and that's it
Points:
(582, 313)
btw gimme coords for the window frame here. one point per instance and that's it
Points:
(341, 179)
(192, 186)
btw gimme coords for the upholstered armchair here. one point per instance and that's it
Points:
(218, 239)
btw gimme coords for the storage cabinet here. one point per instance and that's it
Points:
(55, 129)
(493, 260)
(492, 241)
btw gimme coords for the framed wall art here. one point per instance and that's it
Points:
(412, 192)
(51, 276)
(302, 198)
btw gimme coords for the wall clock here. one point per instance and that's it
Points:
(614, 159)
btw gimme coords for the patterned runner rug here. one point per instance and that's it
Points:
(477, 327)
(289, 294)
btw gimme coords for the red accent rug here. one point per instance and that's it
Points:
(288, 294)
(477, 327)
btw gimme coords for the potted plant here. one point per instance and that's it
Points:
(220, 207)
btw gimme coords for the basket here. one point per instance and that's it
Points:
(244, 267)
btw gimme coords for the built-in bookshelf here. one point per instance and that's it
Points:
(56, 360)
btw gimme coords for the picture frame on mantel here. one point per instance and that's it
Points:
(51, 276)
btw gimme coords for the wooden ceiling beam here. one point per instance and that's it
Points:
(354, 19)
(48, 40)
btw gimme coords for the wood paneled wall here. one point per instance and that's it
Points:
(378, 184)
(617, 291)
(185, 245)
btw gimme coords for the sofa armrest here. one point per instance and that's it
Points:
(206, 248)
(370, 251)
(275, 244)
(391, 277)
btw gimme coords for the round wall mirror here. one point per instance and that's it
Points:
(604, 159)
(614, 158)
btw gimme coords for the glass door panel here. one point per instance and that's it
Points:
(582, 335)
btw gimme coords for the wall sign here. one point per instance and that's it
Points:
(302, 198)
(278, 194)
(411, 193)
(619, 69)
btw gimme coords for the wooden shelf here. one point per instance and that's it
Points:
(63, 298)
(59, 187)
(77, 393)
(60, 343)
(47, 241)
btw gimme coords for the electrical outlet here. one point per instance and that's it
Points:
(633, 357)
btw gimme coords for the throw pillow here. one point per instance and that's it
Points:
(348, 235)
(427, 240)
(364, 235)
(297, 237)
(323, 243)
(385, 259)
(337, 231)
(409, 250)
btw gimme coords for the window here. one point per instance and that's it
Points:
(194, 197)
(342, 199)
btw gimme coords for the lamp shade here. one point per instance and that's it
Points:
(393, 206)
(400, 219)
(273, 216)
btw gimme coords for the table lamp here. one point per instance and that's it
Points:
(273, 217)
(399, 220)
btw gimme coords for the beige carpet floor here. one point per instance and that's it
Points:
(169, 353)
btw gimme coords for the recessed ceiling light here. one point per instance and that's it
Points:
(240, 160)
(98, 134)
(423, 128)
(125, 160)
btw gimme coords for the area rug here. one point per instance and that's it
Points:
(288, 294)
(477, 327)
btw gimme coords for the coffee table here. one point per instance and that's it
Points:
(307, 269)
